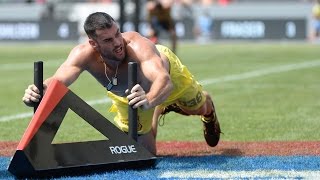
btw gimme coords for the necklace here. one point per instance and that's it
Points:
(114, 81)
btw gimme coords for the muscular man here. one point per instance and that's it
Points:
(164, 84)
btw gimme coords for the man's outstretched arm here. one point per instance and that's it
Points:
(67, 73)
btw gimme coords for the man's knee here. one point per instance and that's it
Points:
(205, 108)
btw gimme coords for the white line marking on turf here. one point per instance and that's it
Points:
(23, 66)
(262, 72)
(30, 114)
(290, 174)
(235, 77)
(15, 117)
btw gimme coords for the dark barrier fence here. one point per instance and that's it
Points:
(265, 29)
(239, 29)
(222, 29)
(38, 31)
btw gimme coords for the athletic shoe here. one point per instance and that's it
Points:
(211, 129)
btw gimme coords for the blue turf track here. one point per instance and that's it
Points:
(213, 167)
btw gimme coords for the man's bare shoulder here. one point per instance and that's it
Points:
(82, 52)
(131, 36)
(129, 33)
(134, 39)
(83, 49)
(82, 56)
(136, 45)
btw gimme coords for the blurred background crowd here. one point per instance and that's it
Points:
(199, 20)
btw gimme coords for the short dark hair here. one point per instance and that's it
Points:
(95, 21)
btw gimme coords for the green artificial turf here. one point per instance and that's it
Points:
(278, 106)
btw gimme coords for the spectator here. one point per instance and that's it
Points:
(159, 18)
(48, 12)
(315, 29)
(203, 27)
(203, 22)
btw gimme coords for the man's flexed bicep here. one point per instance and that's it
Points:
(156, 71)
(161, 85)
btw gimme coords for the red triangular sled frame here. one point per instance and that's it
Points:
(37, 157)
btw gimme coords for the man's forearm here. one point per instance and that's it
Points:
(160, 91)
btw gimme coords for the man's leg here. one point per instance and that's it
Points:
(211, 129)
(208, 116)
(205, 109)
(210, 120)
